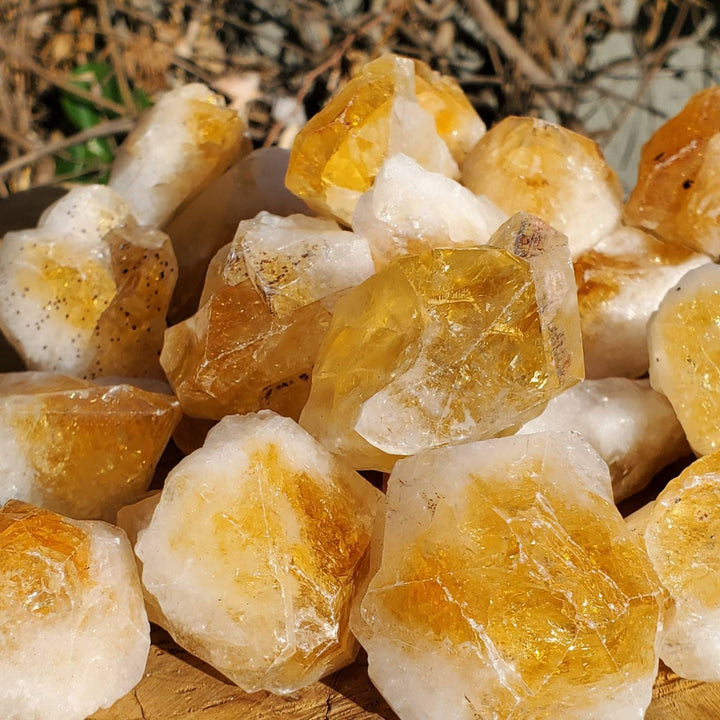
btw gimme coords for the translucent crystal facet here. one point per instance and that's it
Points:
(632, 428)
(681, 532)
(79, 448)
(254, 552)
(209, 220)
(677, 196)
(410, 209)
(510, 587)
(620, 283)
(447, 346)
(295, 261)
(392, 105)
(526, 164)
(73, 628)
(684, 346)
(184, 141)
(87, 291)
(246, 350)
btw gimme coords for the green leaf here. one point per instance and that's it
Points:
(81, 113)
(94, 77)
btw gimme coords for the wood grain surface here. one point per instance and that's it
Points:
(178, 686)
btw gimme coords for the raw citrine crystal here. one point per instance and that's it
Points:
(526, 164)
(133, 519)
(79, 448)
(508, 586)
(632, 428)
(448, 346)
(254, 551)
(297, 260)
(681, 532)
(684, 351)
(209, 220)
(620, 283)
(392, 105)
(246, 349)
(456, 121)
(87, 291)
(187, 139)
(410, 209)
(677, 196)
(73, 628)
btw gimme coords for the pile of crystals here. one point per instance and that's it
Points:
(402, 292)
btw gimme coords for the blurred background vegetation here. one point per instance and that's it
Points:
(74, 75)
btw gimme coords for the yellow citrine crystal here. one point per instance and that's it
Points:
(265, 309)
(73, 628)
(448, 346)
(183, 142)
(254, 552)
(677, 196)
(392, 105)
(620, 283)
(684, 347)
(78, 448)
(530, 165)
(681, 532)
(508, 586)
(235, 356)
(87, 291)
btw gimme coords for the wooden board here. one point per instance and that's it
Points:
(178, 686)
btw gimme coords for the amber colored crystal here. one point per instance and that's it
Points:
(78, 448)
(266, 307)
(254, 551)
(456, 120)
(337, 154)
(530, 165)
(447, 346)
(685, 355)
(620, 283)
(45, 556)
(681, 532)
(88, 311)
(73, 629)
(684, 523)
(235, 356)
(179, 145)
(677, 196)
(509, 586)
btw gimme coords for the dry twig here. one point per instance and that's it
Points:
(106, 129)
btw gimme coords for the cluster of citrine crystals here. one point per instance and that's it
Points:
(410, 209)
(620, 283)
(87, 291)
(685, 355)
(447, 346)
(392, 105)
(187, 139)
(677, 196)
(73, 628)
(530, 165)
(681, 532)
(209, 221)
(79, 448)
(508, 586)
(633, 428)
(255, 550)
(295, 261)
(252, 343)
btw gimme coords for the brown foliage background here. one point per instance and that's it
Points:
(279, 61)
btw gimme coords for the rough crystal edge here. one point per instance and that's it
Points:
(545, 249)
